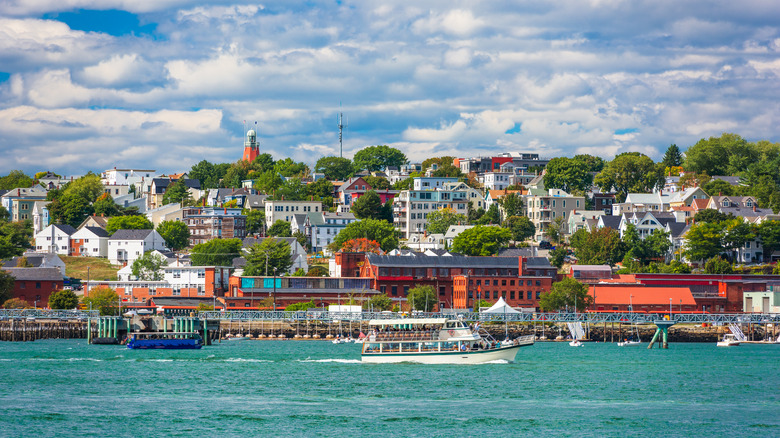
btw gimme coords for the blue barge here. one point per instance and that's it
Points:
(165, 341)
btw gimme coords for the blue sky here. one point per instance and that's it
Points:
(93, 84)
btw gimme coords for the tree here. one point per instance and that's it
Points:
(711, 215)
(629, 172)
(280, 228)
(63, 299)
(334, 168)
(7, 282)
(105, 206)
(216, 252)
(521, 227)
(16, 303)
(556, 230)
(15, 237)
(16, 179)
(481, 240)
(87, 187)
(704, 240)
(769, 232)
(447, 170)
(289, 168)
(439, 221)
(149, 266)
(736, 233)
(478, 304)
(104, 299)
(208, 174)
(592, 162)
(597, 247)
(268, 182)
(422, 297)
(255, 221)
(128, 223)
(70, 208)
(567, 174)
(268, 256)
(374, 158)
(263, 163)
(175, 233)
(362, 245)
(717, 265)
(368, 206)
(176, 193)
(297, 307)
(693, 179)
(371, 229)
(566, 293)
(317, 271)
(673, 157)
(321, 188)
(557, 256)
(292, 190)
(491, 216)
(377, 182)
(712, 156)
(299, 273)
(301, 238)
(512, 204)
(378, 303)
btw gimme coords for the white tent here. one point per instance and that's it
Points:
(500, 307)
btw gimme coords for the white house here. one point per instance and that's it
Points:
(89, 242)
(54, 239)
(125, 246)
(284, 210)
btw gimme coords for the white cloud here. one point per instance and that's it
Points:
(121, 70)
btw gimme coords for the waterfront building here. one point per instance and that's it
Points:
(534, 277)
(35, 285)
(177, 281)
(618, 297)
(250, 292)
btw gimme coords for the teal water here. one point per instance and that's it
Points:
(309, 388)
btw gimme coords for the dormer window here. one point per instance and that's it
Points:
(749, 203)
(725, 203)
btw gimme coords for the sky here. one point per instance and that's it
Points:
(88, 85)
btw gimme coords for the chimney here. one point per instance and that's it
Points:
(520, 266)
(754, 207)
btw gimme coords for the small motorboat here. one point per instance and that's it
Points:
(729, 340)
(629, 343)
(575, 343)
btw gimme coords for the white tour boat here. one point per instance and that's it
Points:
(729, 340)
(434, 341)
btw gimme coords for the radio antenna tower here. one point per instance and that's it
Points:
(342, 125)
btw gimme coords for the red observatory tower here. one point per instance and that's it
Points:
(251, 148)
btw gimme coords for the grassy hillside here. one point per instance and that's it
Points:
(99, 269)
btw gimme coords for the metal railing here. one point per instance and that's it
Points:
(48, 314)
(557, 317)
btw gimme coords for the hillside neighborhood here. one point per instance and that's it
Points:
(697, 231)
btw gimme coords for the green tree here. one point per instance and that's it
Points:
(371, 229)
(597, 247)
(87, 187)
(16, 303)
(712, 156)
(557, 256)
(592, 163)
(521, 227)
(7, 282)
(149, 267)
(301, 238)
(63, 299)
(268, 256)
(321, 188)
(175, 233)
(263, 163)
(268, 182)
(491, 216)
(208, 174)
(297, 307)
(255, 221)
(566, 293)
(704, 240)
(369, 206)
(556, 230)
(299, 273)
(438, 161)
(103, 299)
(105, 206)
(290, 168)
(478, 304)
(216, 252)
(317, 271)
(717, 265)
(718, 187)
(16, 179)
(512, 204)
(15, 237)
(128, 223)
(423, 297)
(334, 168)
(378, 303)
(769, 232)
(236, 173)
(439, 221)
(70, 208)
(629, 172)
(377, 182)
(711, 215)
(280, 228)
(374, 158)
(736, 233)
(481, 240)
(176, 193)
(292, 190)
(673, 157)
(567, 174)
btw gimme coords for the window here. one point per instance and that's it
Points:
(394, 291)
(511, 295)
(528, 283)
(529, 295)
(512, 282)
(538, 295)
(538, 282)
(495, 294)
(406, 290)
(37, 284)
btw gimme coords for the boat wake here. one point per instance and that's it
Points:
(501, 361)
(239, 359)
(331, 360)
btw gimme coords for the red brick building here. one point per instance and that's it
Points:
(249, 292)
(522, 290)
(35, 285)
(347, 264)
(395, 275)
(617, 296)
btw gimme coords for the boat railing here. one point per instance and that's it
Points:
(405, 336)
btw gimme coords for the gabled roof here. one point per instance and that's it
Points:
(351, 181)
(677, 229)
(35, 274)
(454, 230)
(646, 198)
(65, 228)
(99, 220)
(99, 232)
(34, 259)
(610, 221)
(255, 200)
(130, 235)
(538, 262)
(161, 184)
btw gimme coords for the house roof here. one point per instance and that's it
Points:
(350, 181)
(516, 252)
(34, 259)
(495, 194)
(99, 232)
(610, 221)
(642, 295)
(161, 184)
(99, 220)
(454, 230)
(537, 262)
(700, 204)
(255, 201)
(130, 235)
(35, 274)
(65, 228)
(733, 180)
(443, 262)
(598, 268)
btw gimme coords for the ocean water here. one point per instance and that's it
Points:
(314, 388)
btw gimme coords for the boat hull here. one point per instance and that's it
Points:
(447, 357)
(165, 344)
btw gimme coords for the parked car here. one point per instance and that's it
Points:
(545, 245)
